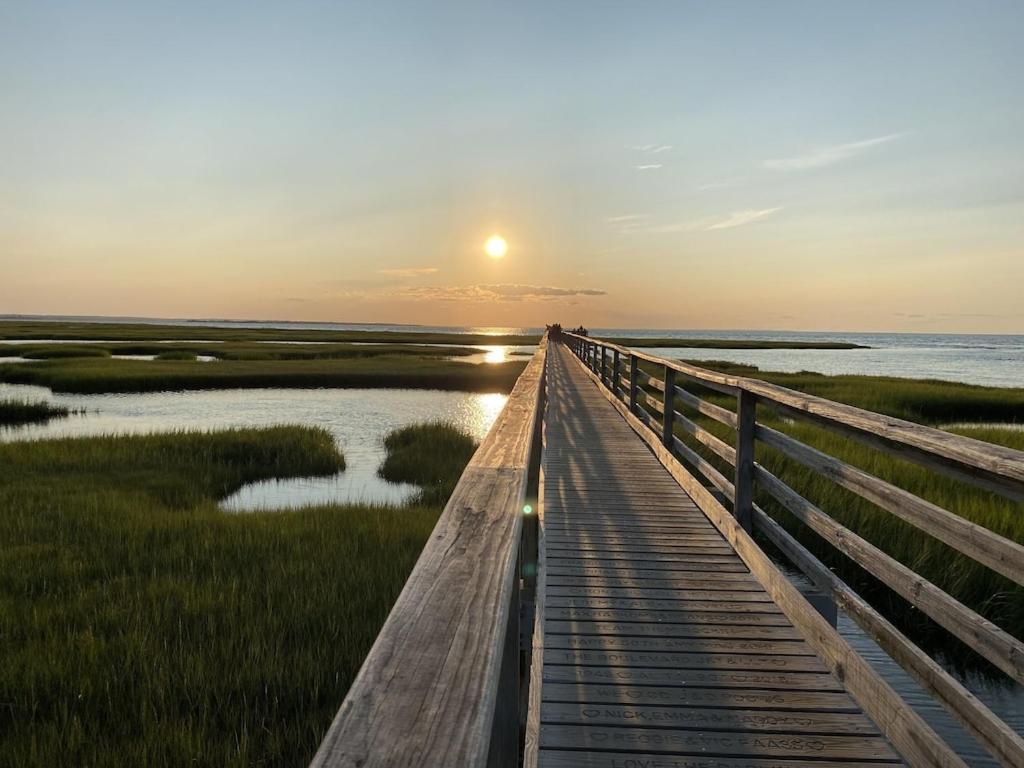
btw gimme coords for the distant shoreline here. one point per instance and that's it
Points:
(95, 330)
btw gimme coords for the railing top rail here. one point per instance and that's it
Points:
(427, 692)
(995, 462)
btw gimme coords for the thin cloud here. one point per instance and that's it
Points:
(736, 219)
(492, 293)
(653, 149)
(648, 167)
(740, 218)
(628, 218)
(825, 156)
(408, 271)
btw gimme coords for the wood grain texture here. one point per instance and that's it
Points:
(655, 631)
(426, 694)
(915, 739)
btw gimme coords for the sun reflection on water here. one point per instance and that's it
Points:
(486, 408)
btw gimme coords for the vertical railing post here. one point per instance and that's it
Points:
(668, 418)
(616, 374)
(746, 419)
(604, 365)
(633, 382)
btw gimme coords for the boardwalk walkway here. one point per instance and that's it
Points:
(661, 650)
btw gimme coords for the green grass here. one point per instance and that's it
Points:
(86, 376)
(140, 625)
(429, 455)
(173, 354)
(14, 412)
(54, 351)
(231, 350)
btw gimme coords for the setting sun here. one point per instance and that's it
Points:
(496, 246)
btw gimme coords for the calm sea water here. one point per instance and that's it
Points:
(359, 419)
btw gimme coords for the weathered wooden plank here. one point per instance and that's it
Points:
(747, 616)
(728, 563)
(728, 698)
(692, 629)
(702, 678)
(696, 719)
(715, 601)
(559, 758)
(707, 743)
(670, 660)
(670, 581)
(620, 551)
(630, 571)
(727, 647)
(747, 591)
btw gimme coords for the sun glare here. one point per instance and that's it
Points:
(496, 246)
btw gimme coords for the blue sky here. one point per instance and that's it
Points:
(718, 165)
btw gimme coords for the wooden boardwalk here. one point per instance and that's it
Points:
(660, 649)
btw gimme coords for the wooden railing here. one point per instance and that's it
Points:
(443, 683)
(651, 399)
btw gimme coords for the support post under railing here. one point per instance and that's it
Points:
(616, 374)
(604, 365)
(746, 419)
(668, 418)
(633, 382)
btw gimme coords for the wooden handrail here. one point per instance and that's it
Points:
(441, 684)
(991, 467)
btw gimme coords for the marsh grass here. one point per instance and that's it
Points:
(431, 456)
(140, 625)
(13, 412)
(88, 376)
(55, 351)
(45, 330)
(173, 354)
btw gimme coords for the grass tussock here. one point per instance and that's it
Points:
(173, 354)
(432, 456)
(14, 412)
(55, 351)
(89, 376)
(140, 625)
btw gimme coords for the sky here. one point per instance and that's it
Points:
(720, 165)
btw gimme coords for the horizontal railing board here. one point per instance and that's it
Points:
(999, 466)
(989, 640)
(998, 553)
